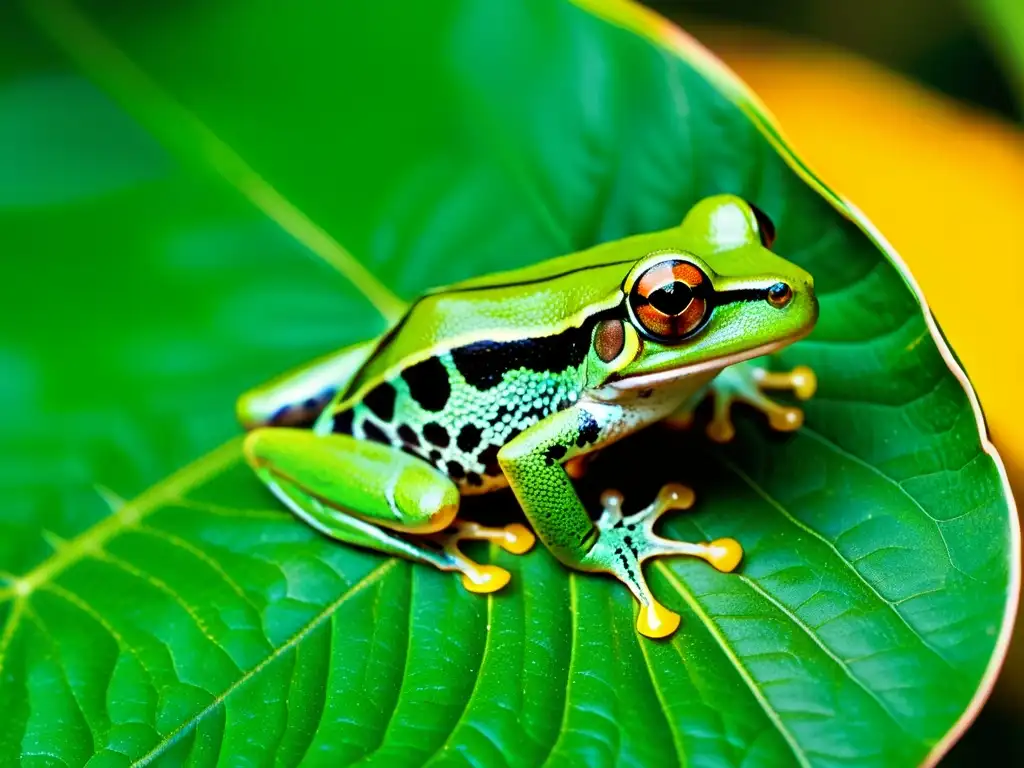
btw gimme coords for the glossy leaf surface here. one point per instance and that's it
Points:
(183, 177)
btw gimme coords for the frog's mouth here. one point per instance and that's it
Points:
(648, 380)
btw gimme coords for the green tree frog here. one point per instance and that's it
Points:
(508, 380)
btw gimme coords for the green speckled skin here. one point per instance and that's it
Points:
(503, 379)
(464, 437)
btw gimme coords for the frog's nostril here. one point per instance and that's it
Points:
(779, 295)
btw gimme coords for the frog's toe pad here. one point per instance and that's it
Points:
(784, 419)
(724, 554)
(720, 429)
(655, 620)
(517, 539)
(484, 579)
(803, 382)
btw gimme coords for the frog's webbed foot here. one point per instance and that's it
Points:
(624, 543)
(514, 538)
(747, 383)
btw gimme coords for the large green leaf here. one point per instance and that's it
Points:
(177, 180)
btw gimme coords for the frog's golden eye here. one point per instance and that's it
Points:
(765, 226)
(670, 300)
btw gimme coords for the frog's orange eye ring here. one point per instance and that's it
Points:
(671, 300)
(765, 226)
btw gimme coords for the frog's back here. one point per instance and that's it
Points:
(472, 365)
(533, 302)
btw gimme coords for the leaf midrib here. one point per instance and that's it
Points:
(167, 741)
(91, 540)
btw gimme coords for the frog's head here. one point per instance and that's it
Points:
(714, 295)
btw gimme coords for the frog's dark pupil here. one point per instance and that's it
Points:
(778, 291)
(671, 298)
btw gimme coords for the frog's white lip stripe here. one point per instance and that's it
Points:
(674, 374)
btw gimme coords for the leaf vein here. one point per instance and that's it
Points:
(476, 683)
(879, 473)
(798, 753)
(677, 736)
(171, 738)
(90, 540)
(844, 666)
(574, 635)
(820, 537)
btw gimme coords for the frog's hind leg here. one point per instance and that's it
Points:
(296, 398)
(355, 491)
(745, 383)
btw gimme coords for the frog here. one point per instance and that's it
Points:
(516, 379)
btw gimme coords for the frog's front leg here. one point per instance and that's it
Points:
(354, 490)
(746, 383)
(532, 462)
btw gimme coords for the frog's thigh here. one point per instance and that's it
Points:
(348, 488)
(326, 476)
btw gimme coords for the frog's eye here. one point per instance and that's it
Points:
(765, 226)
(669, 301)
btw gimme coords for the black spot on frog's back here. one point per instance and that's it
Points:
(408, 435)
(381, 401)
(428, 384)
(375, 433)
(343, 422)
(436, 434)
(469, 437)
(489, 458)
(484, 363)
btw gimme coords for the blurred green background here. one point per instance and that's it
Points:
(913, 110)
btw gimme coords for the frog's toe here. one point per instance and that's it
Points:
(781, 418)
(723, 554)
(745, 383)
(514, 538)
(484, 579)
(655, 620)
(624, 543)
(672, 496)
(801, 381)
